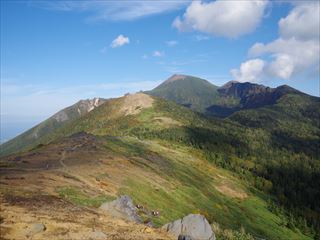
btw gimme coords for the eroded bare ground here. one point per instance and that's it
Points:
(134, 103)
(65, 221)
(29, 196)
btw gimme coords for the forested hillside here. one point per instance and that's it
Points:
(272, 149)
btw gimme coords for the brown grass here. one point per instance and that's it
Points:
(231, 191)
(134, 103)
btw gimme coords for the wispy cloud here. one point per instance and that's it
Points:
(114, 10)
(120, 41)
(201, 37)
(172, 43)
(157, 53)
(173, 70)
(180, 65)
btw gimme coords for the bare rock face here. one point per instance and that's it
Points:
(122, 207)
(79, 109)
(191, 227)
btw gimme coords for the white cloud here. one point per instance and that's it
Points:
(250, 71)
(296, 51)
(202, 37)
(222, 18)
(289, 56)
(302, 23)
(120, 41)
(158, 53)
(114, 10)
(282, 67)
(171, 43)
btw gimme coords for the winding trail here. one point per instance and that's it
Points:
(62, 159)
(63, 156)
(74, 174)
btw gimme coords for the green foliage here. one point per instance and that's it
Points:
(274, 150)
(229, 234)
(76, 196)
(45, 129)
(188, 189)
(192, 92)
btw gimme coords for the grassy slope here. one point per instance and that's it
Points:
(227, 135)
(174, 179)
(24, 140)
(190, 179)
(190, 186)
(36, 134)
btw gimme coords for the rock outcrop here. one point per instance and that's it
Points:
(36, 228)
(191, 227)
(122, 207)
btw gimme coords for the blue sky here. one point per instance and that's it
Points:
(56, 53)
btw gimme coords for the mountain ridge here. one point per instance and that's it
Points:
(256, 164)
(54, 122)
(208, 99)
(204, 97)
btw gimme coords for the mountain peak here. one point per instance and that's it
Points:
(175, 77)
(193, 92)
(228, 84)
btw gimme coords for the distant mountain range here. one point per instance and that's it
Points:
(202, 96)
(242, 154)
(189, 91)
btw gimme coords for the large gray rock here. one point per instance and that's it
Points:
(36, 228)
(191, 227)
(97, 235)
(122, 207)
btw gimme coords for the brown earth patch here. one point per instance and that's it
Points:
(231, 191)
(134, 103)
(166, 121)
(63, 220)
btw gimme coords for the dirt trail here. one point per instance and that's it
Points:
(63, 156)
(31, 199)
(29, 195)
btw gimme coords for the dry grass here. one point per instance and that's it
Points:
(231, 191)
(134, 103)
(166, 121)
(65, 221)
